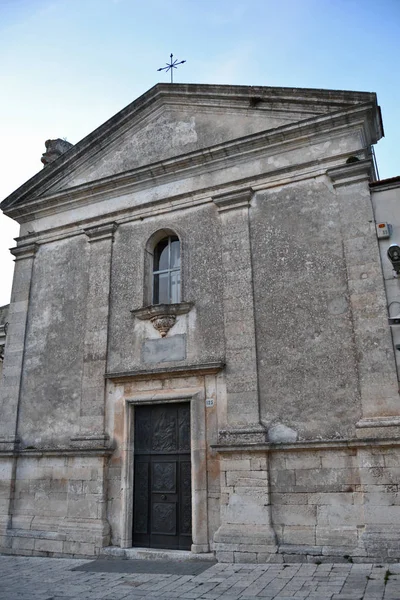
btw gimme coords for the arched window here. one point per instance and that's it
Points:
(167, 271)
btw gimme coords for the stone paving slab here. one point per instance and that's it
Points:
(29, 578)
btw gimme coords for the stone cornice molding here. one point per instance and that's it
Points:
(98, 445)
(24, 251)
(385, 184)
(378, 422)
(186, 199)
(101, 232)
(277, 178)
(155, 310)
(351, 173)
(9, 444)
(309, 445)
(167, 372)
(23, 204)
(91, 441)
(181, 201)
(41, 452)
(233, 200)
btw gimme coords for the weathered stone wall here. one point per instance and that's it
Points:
(306, 356)
(52, 373)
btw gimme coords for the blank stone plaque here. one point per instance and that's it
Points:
(164, 350)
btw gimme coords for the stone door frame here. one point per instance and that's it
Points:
(198, 454)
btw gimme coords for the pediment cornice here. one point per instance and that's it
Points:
(273, 141)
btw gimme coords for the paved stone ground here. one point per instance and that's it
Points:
(28, 578)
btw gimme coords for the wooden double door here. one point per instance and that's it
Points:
(162, 512)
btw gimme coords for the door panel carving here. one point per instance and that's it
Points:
(164, 477)
(164, 519)
(164, 432)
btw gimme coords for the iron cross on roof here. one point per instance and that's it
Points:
(173, 64)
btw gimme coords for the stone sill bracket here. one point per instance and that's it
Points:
(162, 316)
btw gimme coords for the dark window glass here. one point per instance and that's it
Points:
(167, 271)
(161, 256)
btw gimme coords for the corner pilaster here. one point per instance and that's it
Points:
(14, 347)
(12, 373)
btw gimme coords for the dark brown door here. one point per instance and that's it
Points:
(162, 512)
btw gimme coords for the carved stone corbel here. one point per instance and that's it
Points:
(162, 316)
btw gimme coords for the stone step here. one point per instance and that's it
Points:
(153, 554)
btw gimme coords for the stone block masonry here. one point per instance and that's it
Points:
(324, 503)
(57, 506)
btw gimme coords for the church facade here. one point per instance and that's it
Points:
(197, 351)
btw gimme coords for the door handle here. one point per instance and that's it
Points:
(163, 497)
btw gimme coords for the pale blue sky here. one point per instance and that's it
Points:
(66, 66)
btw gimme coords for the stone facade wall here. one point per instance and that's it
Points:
(317, 501)
(53, 349)
(58, 506)
(306, 361)
(327, 504)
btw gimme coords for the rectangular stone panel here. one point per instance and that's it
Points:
(164, 349)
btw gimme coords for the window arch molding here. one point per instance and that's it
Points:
(162, 316)
(152, 257)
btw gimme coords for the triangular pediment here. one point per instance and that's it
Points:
(170, 132)
(174, 120)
